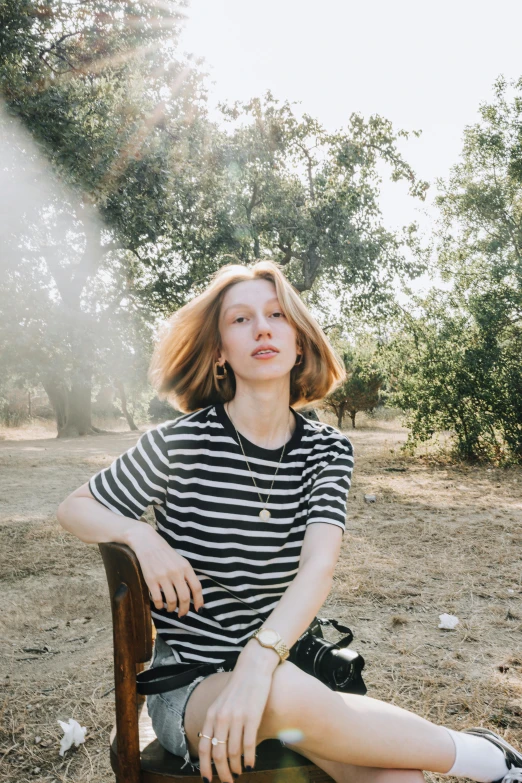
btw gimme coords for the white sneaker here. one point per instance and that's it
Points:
(513, 776)
(513, 757)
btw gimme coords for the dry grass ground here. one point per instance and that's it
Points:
(438, 539)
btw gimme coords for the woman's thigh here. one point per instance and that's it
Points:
(350, 773)
(203, 695)
(287, 678)
(207, 691)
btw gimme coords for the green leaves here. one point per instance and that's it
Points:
(365, 377)
(457, 362)
(309, 199)
(123, 123)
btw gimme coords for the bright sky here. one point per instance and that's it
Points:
(425, 66)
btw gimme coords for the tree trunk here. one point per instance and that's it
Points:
(353, 414)
(340, 416)
(57, 393)
(72, 407)
(123, 399)
(78, 417)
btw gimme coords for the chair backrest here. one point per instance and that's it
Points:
(122, 567)
(133, 637)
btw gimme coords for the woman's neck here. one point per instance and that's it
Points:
(262, 420)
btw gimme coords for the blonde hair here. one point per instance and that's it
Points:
(182, 367)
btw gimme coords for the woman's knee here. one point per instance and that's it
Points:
(292, 702)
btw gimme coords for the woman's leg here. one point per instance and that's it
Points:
(350, 730)
(209, 689)
(353, 729)
(349, 773)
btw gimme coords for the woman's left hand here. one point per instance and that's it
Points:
(235, 716)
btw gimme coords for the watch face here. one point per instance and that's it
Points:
(268, 637)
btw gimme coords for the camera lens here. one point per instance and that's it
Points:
(343, 674)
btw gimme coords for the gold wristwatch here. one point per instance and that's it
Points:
(267, 637)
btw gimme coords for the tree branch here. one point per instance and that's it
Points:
(287, 253)
(53, 49)
(309, 164)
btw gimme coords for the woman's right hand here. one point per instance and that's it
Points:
(164, 570)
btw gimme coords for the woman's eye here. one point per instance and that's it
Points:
(278, 313)
(238, 318)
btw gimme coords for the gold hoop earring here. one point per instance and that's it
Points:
(300, 360)
(216, 375)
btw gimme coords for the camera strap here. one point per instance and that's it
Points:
(168, 677)
(321, 620)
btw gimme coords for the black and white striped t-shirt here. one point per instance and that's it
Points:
(193, 472)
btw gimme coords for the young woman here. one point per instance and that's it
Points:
(250, 502)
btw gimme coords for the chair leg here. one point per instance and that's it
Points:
(127, 732)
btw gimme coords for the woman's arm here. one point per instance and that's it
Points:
(164, 570)
(238, 710)
(303, 598)
(319, 554)
(87, 519)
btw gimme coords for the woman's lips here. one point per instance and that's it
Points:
(267, 355)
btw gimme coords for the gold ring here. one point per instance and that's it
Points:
(214, 740)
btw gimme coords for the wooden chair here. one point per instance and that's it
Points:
(136, 755)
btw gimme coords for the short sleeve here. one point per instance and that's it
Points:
(330, 489)
(136, 479)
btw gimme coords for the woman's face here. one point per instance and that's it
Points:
(257, 340)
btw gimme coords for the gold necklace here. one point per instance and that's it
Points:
(264, 514)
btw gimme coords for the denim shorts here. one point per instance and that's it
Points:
(167, 710)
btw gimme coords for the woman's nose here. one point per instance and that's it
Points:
(262, 325)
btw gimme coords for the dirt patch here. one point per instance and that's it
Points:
(438, 539)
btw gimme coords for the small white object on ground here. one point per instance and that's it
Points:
(72, 733)
(448, 621)
(370, 498)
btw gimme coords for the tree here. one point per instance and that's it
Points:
(361, 389)
(309, 199)
(458, 360)
(56, 329)
(157, 197)
(84, 80)
(443, 378)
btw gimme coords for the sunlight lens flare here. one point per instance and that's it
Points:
(290, 736)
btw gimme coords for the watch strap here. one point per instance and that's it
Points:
(282, 649)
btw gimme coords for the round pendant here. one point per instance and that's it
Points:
(264, 514)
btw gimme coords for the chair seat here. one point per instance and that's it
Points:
(160, 766)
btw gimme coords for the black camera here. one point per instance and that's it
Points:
(337, 667)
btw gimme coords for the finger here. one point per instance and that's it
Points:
(220, 751)
(220, 758)
(171, 599)
(249, 744)
(156, 596)
(205, 746)
(235, 746)
(205, 765)
(195, 588)
(183, 595)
